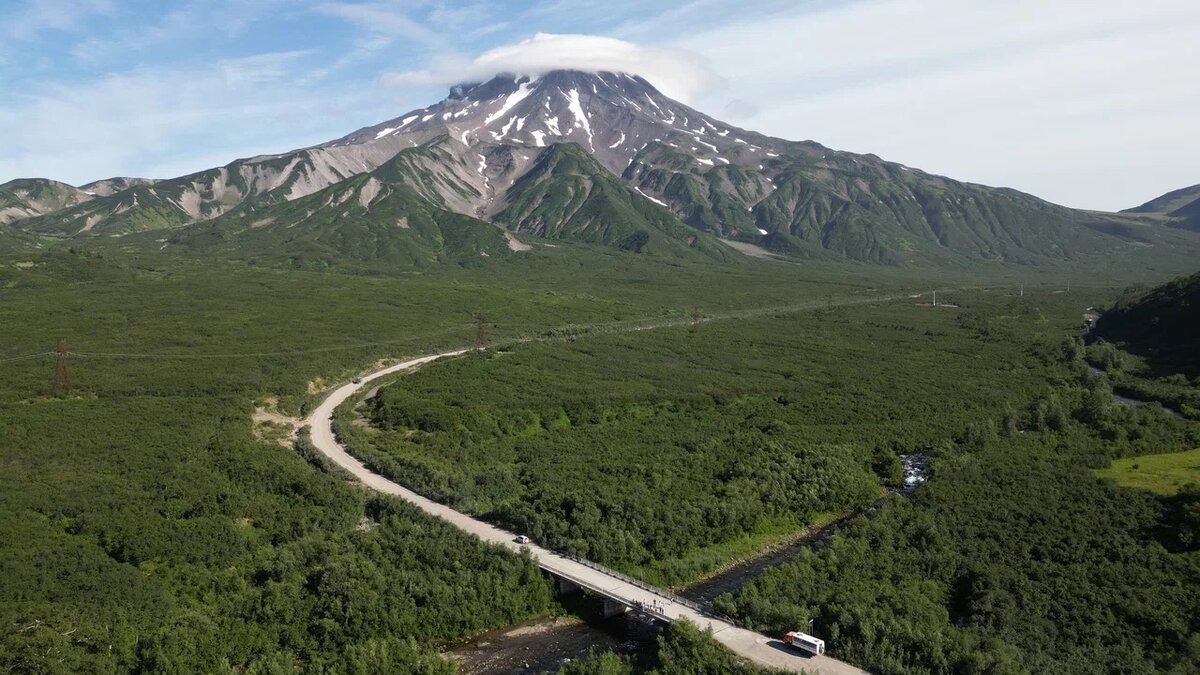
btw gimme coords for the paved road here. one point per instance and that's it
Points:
(757, 648)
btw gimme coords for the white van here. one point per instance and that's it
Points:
(805, 642)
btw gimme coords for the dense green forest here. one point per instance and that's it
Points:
(1014, 557)
(144, 528)
(665, 453)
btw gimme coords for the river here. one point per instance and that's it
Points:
(541, 646)
(545, 645)
(1125, 400)
(916, 472)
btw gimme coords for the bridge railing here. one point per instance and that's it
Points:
(702, 609)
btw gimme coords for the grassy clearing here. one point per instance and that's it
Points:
(1161, 474)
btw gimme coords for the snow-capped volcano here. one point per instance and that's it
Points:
(606, 158)
(613, 116)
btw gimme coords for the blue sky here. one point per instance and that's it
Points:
(1091, 105)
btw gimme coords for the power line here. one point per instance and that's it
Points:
(240, 355)
(622, 325)
(39, 355)
(249, 355)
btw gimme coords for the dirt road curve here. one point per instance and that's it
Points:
(757, 648)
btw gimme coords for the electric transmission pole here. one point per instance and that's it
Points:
(481, 341)
(62, 375)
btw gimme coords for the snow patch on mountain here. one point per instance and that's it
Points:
(656, 201)
(581, 120)
(507, 125)
(523, 90)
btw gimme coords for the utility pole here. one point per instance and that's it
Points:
(481, 341)
(1022, 289)
(935, 298)
(62, 374)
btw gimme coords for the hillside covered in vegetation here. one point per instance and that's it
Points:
(1162, 325)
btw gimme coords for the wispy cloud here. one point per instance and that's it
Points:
(384, 19)
(260, 68)
(33, 17)
(678, 73)
(167, 121)
(184, 23)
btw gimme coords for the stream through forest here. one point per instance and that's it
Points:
(916, 471)
(1125, 400)
(545, 645)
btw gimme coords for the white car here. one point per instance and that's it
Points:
(522, 539)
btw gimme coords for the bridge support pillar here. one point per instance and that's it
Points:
(566, 586)
(613, 608)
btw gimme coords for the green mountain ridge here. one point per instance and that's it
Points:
(1182, 205)
(1168, 202)
(1160, 324)
(567, 195)
(397, 217)
(840, 205)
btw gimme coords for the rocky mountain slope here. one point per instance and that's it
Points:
(408, 212)
(605, 158)
(1181, 206)
(31, 197)
(26, 198)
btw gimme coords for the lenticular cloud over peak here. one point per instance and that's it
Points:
(677, 73)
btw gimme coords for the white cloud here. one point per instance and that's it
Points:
(678, 73)
(169, 121)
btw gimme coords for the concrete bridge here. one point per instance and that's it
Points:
(619, 591)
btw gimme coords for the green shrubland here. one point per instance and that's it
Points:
(652, 450)
(1014, 557)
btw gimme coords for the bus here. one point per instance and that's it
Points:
(805, 642)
